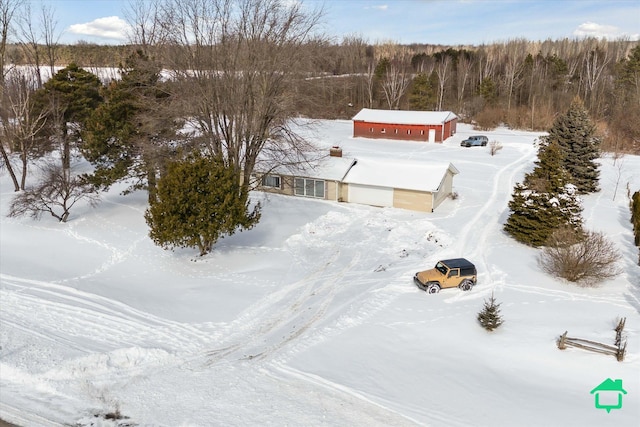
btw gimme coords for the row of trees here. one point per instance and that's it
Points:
(146, 130)
(545, 209)
(519, 82)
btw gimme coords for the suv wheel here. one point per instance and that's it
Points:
(466, 285)
(433, 288)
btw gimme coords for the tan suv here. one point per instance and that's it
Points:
(448, 273)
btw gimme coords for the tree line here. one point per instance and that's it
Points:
(518, 82)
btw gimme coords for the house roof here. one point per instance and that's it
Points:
(388, 173)
(404, 117)
(328, 168)
(610, 385)
(402, 174)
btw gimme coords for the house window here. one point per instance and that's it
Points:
(421, 132)
(272, 181)
(371, 130)
(383, 131)
(309, 187)
(396, 131)
(408, 131)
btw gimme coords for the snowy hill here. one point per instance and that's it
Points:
(312, 318)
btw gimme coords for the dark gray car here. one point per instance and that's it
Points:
(476, 140)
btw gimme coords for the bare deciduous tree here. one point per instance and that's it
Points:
(54, 193)
(38, 34)
(145, 18)
(583, 258)
(369, 77)
(24, 122)
(516, 51)
(50, 36)
(395, 83)
(463, 74)
(237, 63)
(8, 9)
(442, 70)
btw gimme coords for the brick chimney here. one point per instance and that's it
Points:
(335, 151)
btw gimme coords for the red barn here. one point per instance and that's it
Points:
(429, 126)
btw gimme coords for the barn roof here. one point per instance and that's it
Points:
(402, 174)
(404, 117)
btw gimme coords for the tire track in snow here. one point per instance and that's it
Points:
(309, 298)
(488, 221)
(106, 323)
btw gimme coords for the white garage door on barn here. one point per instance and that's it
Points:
(370, 195)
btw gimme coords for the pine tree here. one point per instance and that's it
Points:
(198, 201)
(635, 216)
(126, 136)
(422, 95)
(575, 134)
(68, 97)
(545, 201)
(490, 317)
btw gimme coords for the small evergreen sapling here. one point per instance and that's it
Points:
(490, 317)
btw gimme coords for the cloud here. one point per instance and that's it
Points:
(591, 29)
(111, 27)
(379, 7)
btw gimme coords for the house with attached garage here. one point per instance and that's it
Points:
(428, 126)
(413, 185)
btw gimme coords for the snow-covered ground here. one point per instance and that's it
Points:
(311, 318)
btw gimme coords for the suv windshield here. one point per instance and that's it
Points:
(441, 268)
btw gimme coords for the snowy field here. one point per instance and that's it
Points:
(312, 318)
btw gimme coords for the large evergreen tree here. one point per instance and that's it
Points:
(423, 94)
(198, 201)
(128, 135)
(575, 133)
(545, 201)
(68, 98)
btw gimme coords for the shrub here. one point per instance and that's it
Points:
(494, 147)
(582, 257)
(489, 118)
(490, 317)
(56, 192)
(199, 200)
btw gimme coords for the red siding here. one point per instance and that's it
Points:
(402, 132)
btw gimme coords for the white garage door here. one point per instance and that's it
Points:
(368, 195)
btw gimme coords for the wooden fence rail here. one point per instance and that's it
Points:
(596, 347)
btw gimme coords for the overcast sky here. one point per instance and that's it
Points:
(449, 22)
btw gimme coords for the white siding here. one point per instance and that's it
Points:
(370, 195)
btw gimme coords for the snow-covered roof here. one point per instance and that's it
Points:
(404, 117)
(389, 173)
(403, 174)
(328, 168)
